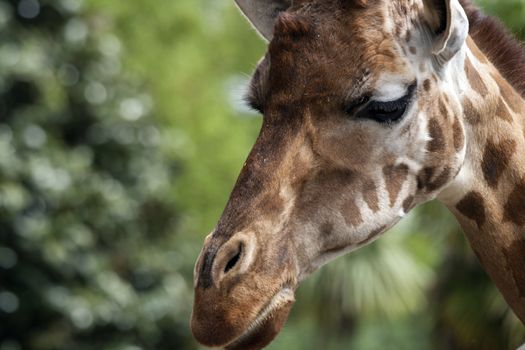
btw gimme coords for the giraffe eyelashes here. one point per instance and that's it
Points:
(383, 112)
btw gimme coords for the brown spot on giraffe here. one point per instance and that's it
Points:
(404, 9)
(426, 85)
(413, 50)
(503, 112)
(496, 159)
(370, 195)
(515, 206)
(475, 79)
(395, 177)
(515, 256)
(439, 181)
(472, 114)
(473, 207)
(351, 213)
(459, 137)
(437, 144)
(424, 177)
(408, 204)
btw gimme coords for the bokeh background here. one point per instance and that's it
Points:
(122, 130)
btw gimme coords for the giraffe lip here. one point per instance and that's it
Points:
(284, 297)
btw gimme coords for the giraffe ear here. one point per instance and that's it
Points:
(449, 25)
(262, 13)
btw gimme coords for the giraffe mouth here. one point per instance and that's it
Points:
(267, 323)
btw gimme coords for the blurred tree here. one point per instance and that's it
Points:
(469, 311)
(87, 253)
(93, 251)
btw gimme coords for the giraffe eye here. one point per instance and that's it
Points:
(389, 111)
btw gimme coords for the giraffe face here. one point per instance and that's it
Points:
(354, 136)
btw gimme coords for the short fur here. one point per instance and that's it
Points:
(322, 180)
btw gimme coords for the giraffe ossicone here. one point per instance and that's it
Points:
(370, 108)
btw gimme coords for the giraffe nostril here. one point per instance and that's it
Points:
(234, 260)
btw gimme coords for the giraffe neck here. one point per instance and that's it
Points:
(488, 195)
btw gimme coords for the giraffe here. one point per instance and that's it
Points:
(370, 108)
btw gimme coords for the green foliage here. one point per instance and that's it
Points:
(511, 12)
(87, 227)
(121, 134)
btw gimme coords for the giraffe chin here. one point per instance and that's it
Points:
(268, 323)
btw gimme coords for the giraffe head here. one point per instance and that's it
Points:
(360, 125)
